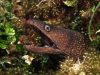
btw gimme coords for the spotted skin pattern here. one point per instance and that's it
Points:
(65, 41)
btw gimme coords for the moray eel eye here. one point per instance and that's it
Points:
(47, 28)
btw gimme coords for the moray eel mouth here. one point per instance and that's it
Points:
(46, 41)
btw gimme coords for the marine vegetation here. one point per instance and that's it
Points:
(49, 37)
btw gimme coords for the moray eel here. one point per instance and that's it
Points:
(64, 41)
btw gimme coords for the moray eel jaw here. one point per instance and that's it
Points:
(65, 41)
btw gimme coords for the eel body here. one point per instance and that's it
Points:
(64, 41)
